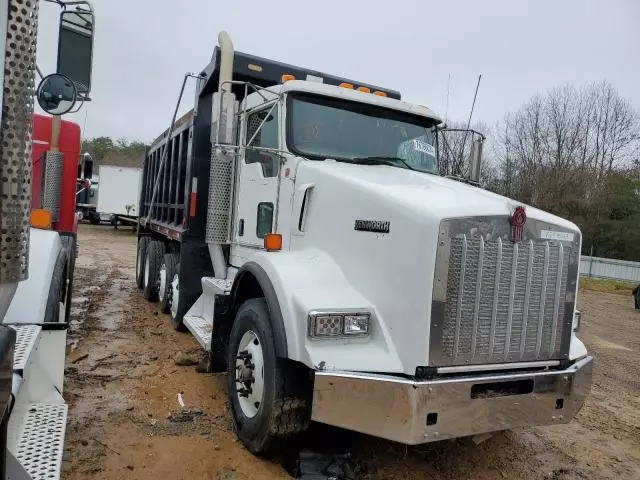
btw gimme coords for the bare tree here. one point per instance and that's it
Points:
(559, 149)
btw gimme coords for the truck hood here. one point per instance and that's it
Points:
(423, 192)
(391, 272)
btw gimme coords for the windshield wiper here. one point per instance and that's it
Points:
(392, 161)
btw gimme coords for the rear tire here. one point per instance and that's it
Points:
(277, 405)
(141, 257)
(636, 292)
(155, 252)
(176, 315)
(168, 269)
(57, 290)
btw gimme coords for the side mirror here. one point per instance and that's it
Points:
(87, 166)
(476, 159)
(75, 48)
(56, 94)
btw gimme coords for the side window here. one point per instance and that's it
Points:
(264, 220)
(266, 137)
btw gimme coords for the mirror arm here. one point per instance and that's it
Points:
(65, 4)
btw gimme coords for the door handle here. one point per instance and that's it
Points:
(301, 200)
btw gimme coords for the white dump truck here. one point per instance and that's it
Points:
(296, 223)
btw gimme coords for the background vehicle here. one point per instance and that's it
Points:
(119, 193)
(296, 224)
(38, 235)
(87, 191)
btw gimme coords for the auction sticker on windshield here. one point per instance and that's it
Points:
(424, 147)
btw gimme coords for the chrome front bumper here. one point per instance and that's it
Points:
(414, 412)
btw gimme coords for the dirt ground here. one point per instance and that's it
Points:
(125, 420)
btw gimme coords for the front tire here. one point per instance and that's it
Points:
(155, 252)
(57, 291)
(636, 293)
(168, 270)
(269, 396)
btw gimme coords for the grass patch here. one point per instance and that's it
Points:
(606, 285)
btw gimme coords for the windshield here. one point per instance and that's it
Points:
(323, 127)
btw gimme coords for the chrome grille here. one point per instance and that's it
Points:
(502, 301)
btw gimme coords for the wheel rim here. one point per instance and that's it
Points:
(175, 296)
(146, 273)
(249, 374)
(163, 281)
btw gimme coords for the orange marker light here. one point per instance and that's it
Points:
(41, 218)
(346, 85)
(286, 77)
(364, 89)
(273, 242)
(379, 93)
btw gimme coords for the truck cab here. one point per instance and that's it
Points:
(348, 282)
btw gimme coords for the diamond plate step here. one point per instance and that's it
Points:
(26, 338)
(41, 441)
(199, 328)
(221, 284)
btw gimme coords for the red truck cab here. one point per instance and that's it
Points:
(69, 145)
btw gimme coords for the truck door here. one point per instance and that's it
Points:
(258, 179)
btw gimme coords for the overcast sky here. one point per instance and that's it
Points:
(144, 47)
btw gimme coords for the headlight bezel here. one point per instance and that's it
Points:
(317, 317)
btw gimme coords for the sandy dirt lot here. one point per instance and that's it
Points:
(125, 421)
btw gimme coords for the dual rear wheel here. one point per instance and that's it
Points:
(157, 275)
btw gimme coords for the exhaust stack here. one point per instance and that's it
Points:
(220, 209)
(226, 61)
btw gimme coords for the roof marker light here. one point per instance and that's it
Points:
(379, 93)
(346, 85)
(286, 77)
(364, 89)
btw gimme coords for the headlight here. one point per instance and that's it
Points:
(335, 324)
(356, 324)
(577, 316)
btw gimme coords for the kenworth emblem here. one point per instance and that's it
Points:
(518, 221)
(378, 226)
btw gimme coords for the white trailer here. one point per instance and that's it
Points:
(118, 193)
(313, 249)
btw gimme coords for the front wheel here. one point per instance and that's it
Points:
(270, 397)
(57, 299)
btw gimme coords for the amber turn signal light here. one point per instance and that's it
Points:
(41, 218)
(273, 242)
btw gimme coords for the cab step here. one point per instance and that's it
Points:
(27, 337)
(41, 443)
(200, 328)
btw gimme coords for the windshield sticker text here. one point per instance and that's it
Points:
(424, 147)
